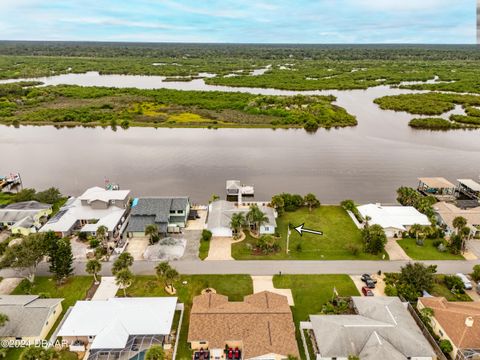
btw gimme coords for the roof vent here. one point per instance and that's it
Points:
(469, 321)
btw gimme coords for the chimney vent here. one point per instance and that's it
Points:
(469, 321)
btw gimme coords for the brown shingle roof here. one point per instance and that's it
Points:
(263, 322)
(452, 316)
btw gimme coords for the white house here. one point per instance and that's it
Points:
(393, 219)
(94, 208)
(119, 326)
(220, 215)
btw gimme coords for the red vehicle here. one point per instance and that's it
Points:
(366, 291)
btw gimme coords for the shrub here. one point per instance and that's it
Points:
(445, 346)
(391, 290)
(299, 247)
(94, 243)
(437, 242)
(454, 284)
(476, 273)
(206, 235)
(354, 249)
(82, 236)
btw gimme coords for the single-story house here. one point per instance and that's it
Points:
(458, 322)
(170, 214)
(393, 219)
(119, 326)
(94, 208)
(381, 328)
(446, 212)
(24, 217)
(30, 318)
(220, 215)
(259, 327)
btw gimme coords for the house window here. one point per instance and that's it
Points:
(440, 332)
(267, 228)
(172, 211)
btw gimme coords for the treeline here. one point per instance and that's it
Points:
(261, 51)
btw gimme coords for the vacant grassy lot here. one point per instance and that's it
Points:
(427, 251)
(233, 286)
(339, 233)
(310, 292)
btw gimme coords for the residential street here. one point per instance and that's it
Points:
(255, 267)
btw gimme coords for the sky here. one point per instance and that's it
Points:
(241, 21)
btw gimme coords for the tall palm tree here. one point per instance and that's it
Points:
(256, 216)
(93, 267)
(152, 232)
(170, 276)
(162, 268)
(458, 223)
(237, 222)
(124, 279)
(102, 236)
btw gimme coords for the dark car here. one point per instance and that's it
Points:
(366, 291)
(367, 279)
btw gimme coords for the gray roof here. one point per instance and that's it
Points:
(382, 328)
(27, 314)
(28, 205)
(221, 212)
(156, 210)
(19, 211)
(140, 222)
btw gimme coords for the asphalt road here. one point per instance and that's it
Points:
(266, 267)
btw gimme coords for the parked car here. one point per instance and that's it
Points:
(366, 291)
(367, 279)
(466, 281)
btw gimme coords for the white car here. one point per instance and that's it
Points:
(466, 282)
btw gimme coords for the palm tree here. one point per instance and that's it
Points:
(124, 279)
(311, 201)
(256, 216)
(458, 223)
(124, 261)
(162, 268)
(427, 314)
(152, 232)
(278, 203)
(416, 229)
(3, 319)
(93, 267)
(102, 236)
(237, 222)
(170, 276)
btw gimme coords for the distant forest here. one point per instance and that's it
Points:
(259, 51)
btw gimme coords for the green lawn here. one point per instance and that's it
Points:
(233, 286)
(339, 232)
(74, 289)
(204, 248)
(427, 251)
(439, 289)
(310, 292)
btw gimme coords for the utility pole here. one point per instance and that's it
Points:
(288, 238)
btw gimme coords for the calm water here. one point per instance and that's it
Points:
(366, 163)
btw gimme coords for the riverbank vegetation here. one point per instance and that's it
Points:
(435, 104)
(94, 106)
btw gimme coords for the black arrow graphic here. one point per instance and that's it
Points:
(301, 230)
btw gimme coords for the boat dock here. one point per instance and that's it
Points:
(10, 181)
(235, 187)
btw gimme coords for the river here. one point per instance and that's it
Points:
(366, 163)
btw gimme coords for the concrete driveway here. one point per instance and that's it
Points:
(198, 224)
(379, 287)
(265, 283)
(8, 285)
(395, 251)
(137, 246)
(193, 243)
(220, 249)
